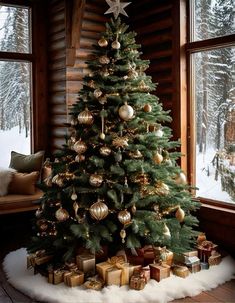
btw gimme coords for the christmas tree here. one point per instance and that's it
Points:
(116, 181)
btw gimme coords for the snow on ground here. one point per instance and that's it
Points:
(12, 140)
(208, 186)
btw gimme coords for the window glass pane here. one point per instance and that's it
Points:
(214, 76)
(212, 18)
(15, 95)
(15, 29)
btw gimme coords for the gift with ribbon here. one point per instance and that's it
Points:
(138, 280)
(56, 276)
(141, 256)
(180, 271)
(38, 258)
(72, 275)
(163, 255)
(115, 271)
(159, 271)
(205, 249)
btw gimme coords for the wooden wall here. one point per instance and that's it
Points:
(57, 111)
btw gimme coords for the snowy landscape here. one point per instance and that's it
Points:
(12, 140)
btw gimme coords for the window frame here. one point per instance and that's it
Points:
(190, 49)
(38, 60)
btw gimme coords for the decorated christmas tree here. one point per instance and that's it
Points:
(116, 182)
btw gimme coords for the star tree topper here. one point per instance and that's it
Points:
(116, 7)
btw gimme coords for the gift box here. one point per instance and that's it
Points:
(94, 283)
(56, 276)
(163, 255)
(205, 249)
(86, 263)
(133, 268)
(146, 271)
(38, 258)
(189, 261)
(74, 278)
(180, 271)
(204, 265)
(137, 280)
(195, 268)
(114, 271)
(159, 272)
(214, 259)
(193, 253)
(141, 256)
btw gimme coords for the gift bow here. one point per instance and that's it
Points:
(118, 262)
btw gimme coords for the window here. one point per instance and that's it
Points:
(15, 81)
(211, 52)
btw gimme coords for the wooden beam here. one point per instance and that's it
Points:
(74, 15)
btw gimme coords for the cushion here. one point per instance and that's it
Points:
(23, 183)
(5, 179)
(27, 163)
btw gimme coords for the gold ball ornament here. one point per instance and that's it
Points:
(157, 158)
(97, 93)
(95, 180)
(80, 147)
(180, 214)
(147, 108)
(103, 42)
(74, 196)
(161, 189)
(159, 133)
(99, 210)
(126, 112)
(166, 232)
(85, 117)
(105, 151)
(181, 179)
(61, 214)
(104, 60)
(102, 136)
(135, 154)
(116, 44)
(124, 217)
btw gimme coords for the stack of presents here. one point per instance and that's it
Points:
(134, 268)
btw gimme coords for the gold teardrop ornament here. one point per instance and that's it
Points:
(85, 117)
(99, 210)
(180, 214)
(124, 217)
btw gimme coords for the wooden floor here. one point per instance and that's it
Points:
(10, 240)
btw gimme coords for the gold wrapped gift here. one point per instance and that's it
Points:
(181, 271)
(74, 278)
(56, 276)
(114, 271)
(38, 258)
(163, 255)
(94, 283)
(86, 263)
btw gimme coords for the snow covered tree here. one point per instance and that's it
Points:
(15, 76)
(116, 180)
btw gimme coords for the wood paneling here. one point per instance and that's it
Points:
(56, 73)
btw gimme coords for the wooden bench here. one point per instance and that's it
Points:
(19, 203)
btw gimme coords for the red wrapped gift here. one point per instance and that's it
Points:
(205, 249)
(159, 272)
(141, 256)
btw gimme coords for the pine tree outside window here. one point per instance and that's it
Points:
(15, 80)
(212, 94)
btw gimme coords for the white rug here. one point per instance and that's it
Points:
(167, 290)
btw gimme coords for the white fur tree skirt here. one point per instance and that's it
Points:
(167, 290)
